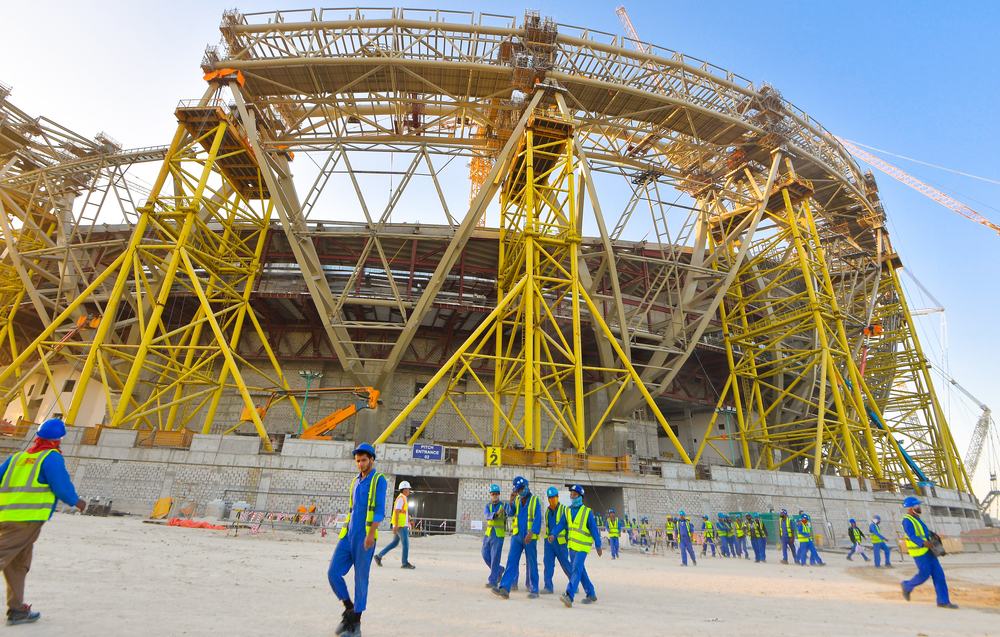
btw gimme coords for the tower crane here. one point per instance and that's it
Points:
(917, 185)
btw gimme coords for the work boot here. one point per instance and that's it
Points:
(589, 599)
(939, 606)
(378, 560)
(784, 561)
(488, 585)
(355, 630)
(546, 591)
(23, 616)
(532, 595)
(694, 561)
(501, 592)
(346, 623)
(850, 559)
(566, 600)
(906, 593)
(408, 565)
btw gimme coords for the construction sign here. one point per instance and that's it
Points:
(494, 457)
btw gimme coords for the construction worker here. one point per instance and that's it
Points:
(644, 533)
(741, 531)
(582, 533)
(356, 547)
(671, 528)
(785, 528)
(806, 546)
(758, 538)
(554, 547)
(918, 543)
(400, 528)
(526, 519)
(31, 483)
(614, 531)
(708, 536)
(856, 535)
(879, 543)
(725, 532)
(496, 523)
(685, 532)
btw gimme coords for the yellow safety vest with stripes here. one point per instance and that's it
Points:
(498, 524)
(670, 527)
(532, 507)
(739, 529)
(786, 525)
(560, 515)
(877, 536)
(371, 505)
(579, 533)
(918, 530)
(399, 516)
(613, 528)
(22, 497)
(709, 533)
(805, 532)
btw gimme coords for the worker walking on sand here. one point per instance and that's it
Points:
(356, 547)
(526, 514)
(785, 532)
(856, 535)
(918, 543)
(685, 531)
(400, 528)
(614, 532)
(671, 528)
(554, 547)
(806, 546)
(758, 538)
(723, 530)
(496, 530)
(707, 535)
(742, 530)
(32, 482)
(879, 543)
(582, 534)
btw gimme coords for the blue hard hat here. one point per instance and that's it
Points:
(578, 489)
(784, 512)
(720, 515)
(364, 447)
(52, 429)
(552, 492)
(705, 516)
(519, 482)
(611, 510)
(756, 515)
(908, 502)
(494, 488)
(681, 513)
(853, 522)
(877, 518)
(805, 516)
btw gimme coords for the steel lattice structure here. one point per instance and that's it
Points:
(342, 86)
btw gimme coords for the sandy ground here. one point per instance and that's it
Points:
(118, 576)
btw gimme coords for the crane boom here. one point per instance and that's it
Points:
(918, 185)
(629, 29)
(976, 444)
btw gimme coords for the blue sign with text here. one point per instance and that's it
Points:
(428, 452)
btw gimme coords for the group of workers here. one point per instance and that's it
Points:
(31, 481)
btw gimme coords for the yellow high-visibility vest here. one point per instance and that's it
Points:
(399, 516)
(918, 530)
(532, 506)
(579, 534)
(22, 497)
(498, 525)
(805, 534)
(371, 505)
(560, 515)
(613, 528)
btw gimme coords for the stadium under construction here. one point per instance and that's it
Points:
(754, 348)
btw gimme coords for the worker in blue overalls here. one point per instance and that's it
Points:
(554, 547)
(722, 531)
(707, 533)
(356, 547)
(614, 531)
(785, 528)
(758, 536)
(526, 515)
(879, 543)
(685, 531)
(582, 532)
(806, 546)
(496, 530)
(918, 543)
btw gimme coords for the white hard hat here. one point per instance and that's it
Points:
(404, 485)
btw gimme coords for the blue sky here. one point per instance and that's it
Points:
(916, 78)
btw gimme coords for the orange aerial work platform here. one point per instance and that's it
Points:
(236, 158)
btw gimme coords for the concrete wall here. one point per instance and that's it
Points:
(319, 472)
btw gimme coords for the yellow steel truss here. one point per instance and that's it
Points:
(532, 341)
(797, 390)
(200, 236)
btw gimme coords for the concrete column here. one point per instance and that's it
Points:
(369, 423)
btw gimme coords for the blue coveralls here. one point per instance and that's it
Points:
(554, 550)
(927, 564)
(520, 543)
(351, 550)
(493, 543)
(685, 530)
(613, 540)
(578, 558)
(721, 529)
(806, 547)
(787, 542)
(878, 547)
(708, 541)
